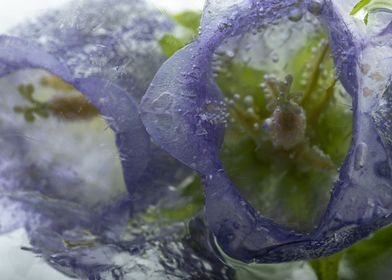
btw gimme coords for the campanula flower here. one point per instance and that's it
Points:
(185, 98)
(61, 165)
(99, 57)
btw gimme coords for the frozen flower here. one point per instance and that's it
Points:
(66, 192)
(82, 191)
(184, 91)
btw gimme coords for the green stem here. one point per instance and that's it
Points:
(314, 79)
(246, 122)
(322, 106)
(327, 268)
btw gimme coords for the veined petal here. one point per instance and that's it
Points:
(176, 107)
(113, 102)
(108, 51)
(191, 103)
(95, 46)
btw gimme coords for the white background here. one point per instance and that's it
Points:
(14, 11)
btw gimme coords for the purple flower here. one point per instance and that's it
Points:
(107, 50)
(59, 175)
(183, 100)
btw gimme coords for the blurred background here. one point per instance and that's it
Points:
(15, 11)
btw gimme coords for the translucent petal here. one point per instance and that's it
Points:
(175, 112)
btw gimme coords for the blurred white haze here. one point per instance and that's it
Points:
(14, 11)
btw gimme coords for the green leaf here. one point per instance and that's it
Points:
(263, 174)
(327, 268)
(29, 117)
(244, 80)
(370, 6)
(189, 19)
(43, 112)
(370, 259)
(39, 108)
(182, 213)
(193, 196)
(170, 44)
(332, 130)
(359, 6)
(366, 19)
(19, 109)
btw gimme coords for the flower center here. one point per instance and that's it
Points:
(286, 136)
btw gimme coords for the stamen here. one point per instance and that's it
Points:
(288, 125)
(65, 106)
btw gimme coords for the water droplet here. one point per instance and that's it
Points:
(361, 152)
(117, 273)
(200, 131)
(336, 237)
(259, 228)
(230, 54)
(315, 7)
(267, 125)
(250, 111)
(295, 15)
(248, 100)
(230, 237)
(365, 68)
(236, 97)
(377, 76)
(367, 92)
(162, 102)
(274, 57)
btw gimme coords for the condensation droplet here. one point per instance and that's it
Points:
(315, 7)
(367, 92)
(248, 100)
(236, 97)
(295, 15)
(230, 237)
(267, 125)
(274, 57)
(361, 152)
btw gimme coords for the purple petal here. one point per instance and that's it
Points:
(16, 54)
(121, 113)
(387, 30)
(113, 102)
(115, 39)
(109, 52)
(184, 113)
(102, 38)
(343, 45)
